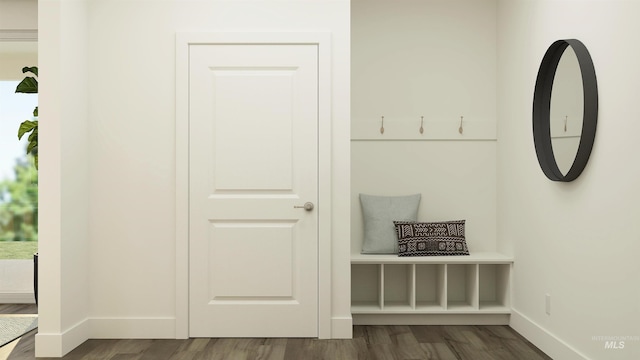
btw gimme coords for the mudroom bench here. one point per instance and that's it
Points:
(431, 290)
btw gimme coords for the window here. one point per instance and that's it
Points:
(18, 176)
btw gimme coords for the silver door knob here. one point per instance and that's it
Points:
(307, 206)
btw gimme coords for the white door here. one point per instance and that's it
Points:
(253, 157)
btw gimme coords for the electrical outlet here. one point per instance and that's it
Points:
(547, 304)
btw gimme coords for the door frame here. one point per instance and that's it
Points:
(323, 41)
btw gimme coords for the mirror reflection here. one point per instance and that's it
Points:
(566, 110)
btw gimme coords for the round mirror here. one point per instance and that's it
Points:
(565, 110)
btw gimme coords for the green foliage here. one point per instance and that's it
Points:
(19, 204)
(29, 85)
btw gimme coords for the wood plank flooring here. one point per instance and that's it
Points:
(18, 309)
(369, 342)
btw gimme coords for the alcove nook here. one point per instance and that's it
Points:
(423, 120)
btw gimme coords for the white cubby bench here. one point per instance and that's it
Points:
(430, 290)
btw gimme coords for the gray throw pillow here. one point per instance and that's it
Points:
(379, 213)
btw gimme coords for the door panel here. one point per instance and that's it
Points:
(253, 156)
(241, 249)
(253, 109)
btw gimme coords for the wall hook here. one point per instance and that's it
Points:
(382, 126)
(460, 130)
(421, 123)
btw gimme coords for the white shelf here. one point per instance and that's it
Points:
(494, 307)
(428, 306)
(397, 306)
(365, 307)
(388, 285)
(474, 258)
(460, 306)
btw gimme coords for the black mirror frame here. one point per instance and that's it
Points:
(542, 107)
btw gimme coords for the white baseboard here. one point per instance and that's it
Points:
(342, 327)
(543, 339)
(58, 345)
(17, 298)
(133, 328)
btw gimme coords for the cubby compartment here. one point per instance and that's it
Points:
(430, 287)
(398, 287)
(366, 287)
(494, 286)
(462, 287)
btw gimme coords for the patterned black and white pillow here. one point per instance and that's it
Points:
(431, 238)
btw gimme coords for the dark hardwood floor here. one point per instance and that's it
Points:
(369, 342)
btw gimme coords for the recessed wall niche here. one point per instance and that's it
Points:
(429, 67)
(433, 61)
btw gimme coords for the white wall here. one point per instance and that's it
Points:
(578, 242)
(18, 15)
(64, 155)
(131, 189)
(133, 131)
(435, 59)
